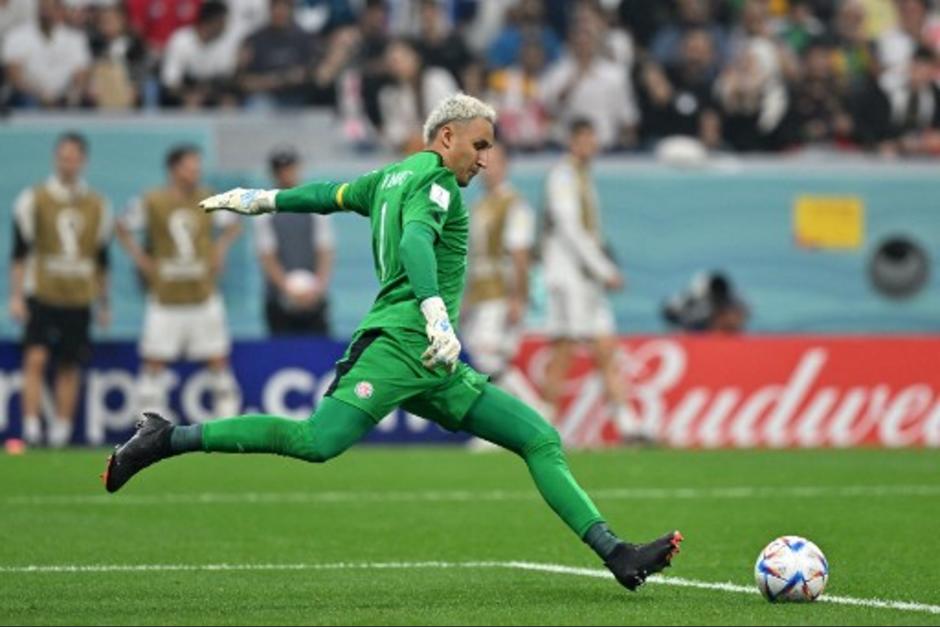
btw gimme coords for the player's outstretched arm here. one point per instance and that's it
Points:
(310, 198)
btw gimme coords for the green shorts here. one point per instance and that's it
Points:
(382, 370)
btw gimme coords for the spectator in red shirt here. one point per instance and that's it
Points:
(155, 20)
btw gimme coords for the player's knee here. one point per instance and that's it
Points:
(546, 443)
(316, 448)
(317, 453)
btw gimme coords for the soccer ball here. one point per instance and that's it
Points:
(791, 568)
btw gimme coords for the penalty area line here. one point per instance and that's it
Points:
(558, 569)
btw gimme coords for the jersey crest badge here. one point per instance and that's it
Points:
(364, 390)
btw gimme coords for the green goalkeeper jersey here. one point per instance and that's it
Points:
(416, 189)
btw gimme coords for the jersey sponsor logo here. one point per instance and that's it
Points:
(440, 196)
(364, 390)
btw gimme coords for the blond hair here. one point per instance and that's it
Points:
(456, 108)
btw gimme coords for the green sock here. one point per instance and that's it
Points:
(600, 538)
(505, 420)
(184, 439)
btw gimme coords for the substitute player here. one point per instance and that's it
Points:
(502, 233)
(181, 258)
(61, 230)
(405, 352)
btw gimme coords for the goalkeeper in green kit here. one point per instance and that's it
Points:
(405, 353)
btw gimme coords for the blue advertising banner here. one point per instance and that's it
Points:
(285, 377)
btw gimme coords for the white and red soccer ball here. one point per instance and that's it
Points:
(791, 568)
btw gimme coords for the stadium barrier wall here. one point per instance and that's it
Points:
(283, 377)
(760, 391)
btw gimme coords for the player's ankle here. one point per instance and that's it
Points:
(602, 540)
(185, 439)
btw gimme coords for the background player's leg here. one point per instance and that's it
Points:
(510, 423)
(225, 397)
(35, 358)
(556, 371)
(68, 378)
(333, 427)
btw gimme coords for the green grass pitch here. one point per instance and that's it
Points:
(443, 536)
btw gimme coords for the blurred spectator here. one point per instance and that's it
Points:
(502, 234)
(578, 272)
(156, 20)
(370, 56)
(12, 14)
(583, 84)
(296, 254)
(79, 13)
(413, 92)
(678, 100)
(437, 43)
(820, 98)
(643, 19)
(120, 61)
(709, 303)
(913, 124)
(697, 14)
(752, 89)
(525, 20)
(474, 80)
(917, 26)
(514, 92)
(855, 55)
(613, 42)
(247, 16)
(755, 30)
(801, 26)
(46, 62)
(181, 261)
(340, 52)
(488, 21)
(275, 61)
(323, 16)
(199, 61)
(61, 228)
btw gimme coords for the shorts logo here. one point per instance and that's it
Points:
(364, 390)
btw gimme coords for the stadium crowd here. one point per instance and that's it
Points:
(743, 75)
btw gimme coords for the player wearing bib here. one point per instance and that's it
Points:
(58, 273)
(405, 352)
(180, 260)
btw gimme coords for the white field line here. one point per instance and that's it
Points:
(348, 496)
(906, 606)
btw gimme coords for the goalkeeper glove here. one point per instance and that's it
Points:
(445, 347)
(240, 200)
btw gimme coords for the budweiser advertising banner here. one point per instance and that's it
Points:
(757, 391)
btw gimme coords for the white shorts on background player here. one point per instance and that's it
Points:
(579, 311)
(197, 332)
(491, 341)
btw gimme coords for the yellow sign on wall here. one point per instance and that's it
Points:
(829, 221)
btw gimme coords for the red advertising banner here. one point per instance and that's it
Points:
(697, 391)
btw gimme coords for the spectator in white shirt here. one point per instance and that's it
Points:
(13, 13)
(46, 62)
(412, 94)
(200, 60)
(584, 84)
